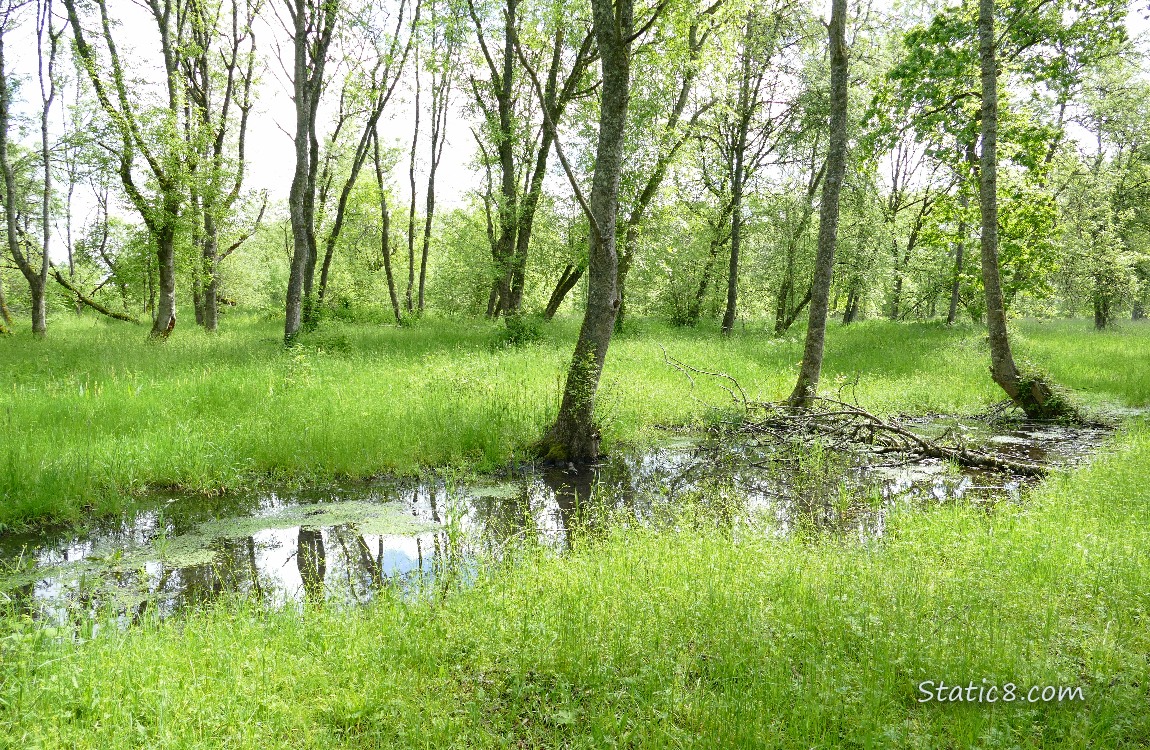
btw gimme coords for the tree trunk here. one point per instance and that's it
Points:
(783, 298)
(385, 229)
(1101, 310)
(1137, 312)
(1002, 368)
(5, 313)
(409, 301)
(575, 435)
(695, 306)
(959, 252)
(809, 372)
(738, 175)
(896, 294)
(34, 276)
(851, 311)
(1033, 394)
(300, 186)
(164, 319)
(211, 259)
(736, 242)
(198, 294)
(567, 281)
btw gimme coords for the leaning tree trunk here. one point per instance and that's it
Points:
(575, 436)
(1033, 394)
(812, 364)
(567, 281)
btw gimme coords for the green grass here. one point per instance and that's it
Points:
(649, 640)
(96, 413)
(689, 638)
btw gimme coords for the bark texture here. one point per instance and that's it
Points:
(1031, 393)
(811, 368)
(575, 435)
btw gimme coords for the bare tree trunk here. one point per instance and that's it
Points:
(852, 307)
(575, 435)
(1002, 361)
(896, 295)
(385, 229)
(811, 368)
(959, 252)
(311, 35)
(567, 281)
(210, 308)
(408, 300)
(198, 292)
(736, 243)
(440, 101)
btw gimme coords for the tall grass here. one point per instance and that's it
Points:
(657, 640)
(96, 413)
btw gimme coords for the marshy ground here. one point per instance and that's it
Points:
(261, 554)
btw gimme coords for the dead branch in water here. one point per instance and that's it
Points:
(847, 427)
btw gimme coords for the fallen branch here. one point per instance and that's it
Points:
(89, 301)
(846, 427)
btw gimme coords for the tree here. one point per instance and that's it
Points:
(745, 148)
(514, 136)
(807, 386)
(1045, 42)
(219, 67)
(442, 62)
(150, 131)
(366, 91)
(311, 31)
(19, 240)
(658, 133)
(575, 436)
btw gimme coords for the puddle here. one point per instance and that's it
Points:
(346, 542)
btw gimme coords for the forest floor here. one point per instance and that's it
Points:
(687, 638)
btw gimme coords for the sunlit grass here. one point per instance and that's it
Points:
(653, 640)
(96, 412)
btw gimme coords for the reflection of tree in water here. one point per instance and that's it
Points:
(311, 559)
(573, 489)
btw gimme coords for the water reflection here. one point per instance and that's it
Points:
(325, 545)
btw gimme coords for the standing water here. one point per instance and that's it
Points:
(345, 542)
